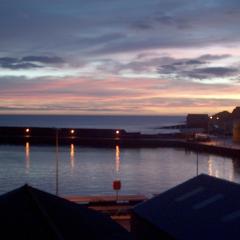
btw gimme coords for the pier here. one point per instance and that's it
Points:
(111, 138)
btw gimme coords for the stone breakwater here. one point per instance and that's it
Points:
(77, 135)
(107, 138)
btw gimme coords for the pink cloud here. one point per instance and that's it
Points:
(115, 95)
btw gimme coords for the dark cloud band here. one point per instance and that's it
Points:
(28, 62)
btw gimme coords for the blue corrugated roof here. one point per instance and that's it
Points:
(204, 207)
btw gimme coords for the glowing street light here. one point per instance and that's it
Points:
(209, 124)
(72, 131)
(117, 132)
(27, 130)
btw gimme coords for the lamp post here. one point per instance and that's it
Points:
(197, 164)
(117, 183)
(56, 158)
(209, 124)
(224, 132)
(223, 128)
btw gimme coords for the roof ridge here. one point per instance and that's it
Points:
(50, 224)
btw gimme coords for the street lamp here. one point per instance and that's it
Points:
(27, 130)
(56, 159)
(208, 127)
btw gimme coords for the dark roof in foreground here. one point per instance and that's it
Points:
(28, 213)
(202, 208)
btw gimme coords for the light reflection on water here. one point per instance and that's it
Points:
(91, 171)
(117, 160)
(72, 156)
(27, 153)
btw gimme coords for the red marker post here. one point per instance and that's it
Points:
(117, 186)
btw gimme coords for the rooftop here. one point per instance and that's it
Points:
(204, 207)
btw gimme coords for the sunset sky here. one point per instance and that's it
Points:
(147, 57)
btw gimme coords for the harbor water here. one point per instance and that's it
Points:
(79, 170)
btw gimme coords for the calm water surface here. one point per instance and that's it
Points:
(144, 124)
(91, 171)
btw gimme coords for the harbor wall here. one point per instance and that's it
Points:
(107, 138)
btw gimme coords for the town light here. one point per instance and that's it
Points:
(72, 131)
(27, 130)
(117, 132)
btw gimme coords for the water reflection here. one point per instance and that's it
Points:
(213, 167)
(210, 166)
(117, 160)
(117, 183)
(72, 155)
(220, 167)
(90, 171)
(27, 157)
(236, 170)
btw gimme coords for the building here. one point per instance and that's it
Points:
(198, 121)
(236, 124)
(204, 207)
(236, 113)
(236, 131)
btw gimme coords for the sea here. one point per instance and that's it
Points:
(143, 124)
(78, 170)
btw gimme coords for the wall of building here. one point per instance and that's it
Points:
(236, 131)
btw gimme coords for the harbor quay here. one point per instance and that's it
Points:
(113, 137)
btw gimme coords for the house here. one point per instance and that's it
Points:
(236, 131)
(236, 113)
(199, 121)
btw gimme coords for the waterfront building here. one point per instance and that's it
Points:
(236, 131)
(236, 113)
(197, 121)
(221, 123)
